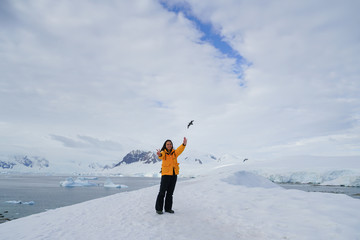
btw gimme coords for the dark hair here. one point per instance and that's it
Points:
(164, 146)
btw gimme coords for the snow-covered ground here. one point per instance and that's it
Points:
(226, 203)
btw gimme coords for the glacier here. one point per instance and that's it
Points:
(346, 178)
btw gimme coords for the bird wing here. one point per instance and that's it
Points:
(190, 123)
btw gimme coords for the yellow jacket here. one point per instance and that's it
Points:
(169, 161)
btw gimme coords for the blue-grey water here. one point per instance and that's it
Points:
(46, 193)
(351, 191)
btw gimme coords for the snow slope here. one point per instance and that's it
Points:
(227, 203)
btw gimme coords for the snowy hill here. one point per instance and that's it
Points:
(19, 162)
(227, 203)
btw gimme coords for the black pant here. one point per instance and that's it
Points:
(167, 186)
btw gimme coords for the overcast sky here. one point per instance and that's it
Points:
(96, 79)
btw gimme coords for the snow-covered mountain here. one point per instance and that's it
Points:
(300, 169)
(201, 159)
(134, 163)
(139, 156)
(148, 157)
(146, 163)
(19, 162)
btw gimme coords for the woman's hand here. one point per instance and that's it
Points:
(185, 141)
(158, 152)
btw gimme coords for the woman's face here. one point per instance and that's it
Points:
(168, 145)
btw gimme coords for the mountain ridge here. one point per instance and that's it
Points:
(24, 160)
(147, 157)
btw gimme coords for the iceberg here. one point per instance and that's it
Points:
(110, 184)
(69, 182)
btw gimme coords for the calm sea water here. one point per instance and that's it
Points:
(46, 193)
(351, 191)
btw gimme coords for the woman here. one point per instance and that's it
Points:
(169, 171)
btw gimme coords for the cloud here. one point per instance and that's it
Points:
(135, 73)
(303, 67)
(88, 143)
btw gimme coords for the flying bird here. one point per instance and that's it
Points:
(190, 123)
(245, 159)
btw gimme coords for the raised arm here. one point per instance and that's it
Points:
(181, 148)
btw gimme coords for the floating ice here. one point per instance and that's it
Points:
(20, 202)
(69, 182)
(87, 178)
(110, 184)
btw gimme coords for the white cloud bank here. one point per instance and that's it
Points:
(132, 74)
